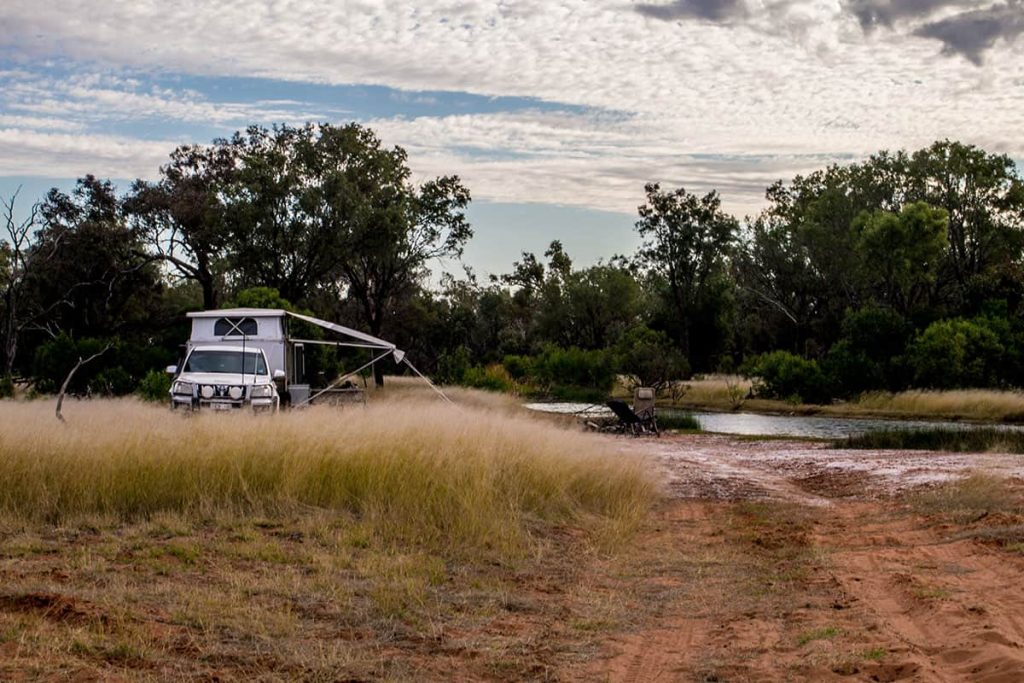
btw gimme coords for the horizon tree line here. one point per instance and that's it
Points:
(902, 270)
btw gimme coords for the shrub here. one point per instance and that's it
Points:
(851, 371)
(154, 386)
(452, 366)
(563, 370)
(518, 367)
(6, 386)
(784, 375)
(55, 359)
(493, 377)
(871, 353)
(650, 358)
(956, 353)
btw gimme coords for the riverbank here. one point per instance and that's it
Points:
(727, 393)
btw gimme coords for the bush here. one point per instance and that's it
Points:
(786, 376)
(871, 353)
(956, 353)
(851, 371)
(452, 367)
(155, 386)
(519, 367)
(493, 377)
(6, 386)
(562, 371)
(650, 358)
(55, 359)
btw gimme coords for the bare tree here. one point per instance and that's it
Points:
(15, 251)
(67, 380)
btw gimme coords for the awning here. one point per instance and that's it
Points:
(367, 339)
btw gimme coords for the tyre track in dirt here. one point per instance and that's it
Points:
(950, 610)
(905, 603)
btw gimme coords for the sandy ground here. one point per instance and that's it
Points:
(874, 593)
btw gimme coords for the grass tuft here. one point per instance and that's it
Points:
(958, 440)
(678, 421)
(824, 633)
(968, 500)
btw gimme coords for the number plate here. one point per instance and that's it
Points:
(221, 406)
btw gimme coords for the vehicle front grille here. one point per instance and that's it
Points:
(221, 391)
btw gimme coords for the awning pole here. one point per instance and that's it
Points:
(346, 376)
(425, 379)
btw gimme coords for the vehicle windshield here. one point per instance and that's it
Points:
(226, 361)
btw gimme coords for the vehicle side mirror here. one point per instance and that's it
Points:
(172, 370)
(278, 375)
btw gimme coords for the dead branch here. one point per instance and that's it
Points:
(67, 380)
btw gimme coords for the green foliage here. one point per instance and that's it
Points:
(565, 371)
(902, 252)
(956, 439)
(902, 270)
(155, 386)
(681, 421)
(261, 297)
(786, 376)
(6, 386)
(492, 377)
(956, 353)
(686, 243)
(518, 367)
(453, 365)
(116, 372)
(55, 359)
(870, 354)
(874, 232)
(650, 358)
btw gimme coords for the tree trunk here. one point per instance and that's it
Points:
(10, 338)
(209, 295)
(378, 371)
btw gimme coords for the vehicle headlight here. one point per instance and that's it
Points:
(262, 391)
(235, 393)
(180, 388)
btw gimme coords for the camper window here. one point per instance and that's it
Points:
(235, 327)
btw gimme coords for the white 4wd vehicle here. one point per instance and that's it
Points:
(222, 377)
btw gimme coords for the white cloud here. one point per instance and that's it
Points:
(35, 153)
(102, 98)
(796, 82)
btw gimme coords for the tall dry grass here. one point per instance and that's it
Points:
(725, 392)
(979, 404)
(423, 471)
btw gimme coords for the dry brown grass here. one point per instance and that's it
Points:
(721, 392)
(403, 541)
(970, 499)
(424, 470)
(975, 404)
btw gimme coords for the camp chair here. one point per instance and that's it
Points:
(630, 422)
(643, 402)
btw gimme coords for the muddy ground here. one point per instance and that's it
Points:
(797, 562)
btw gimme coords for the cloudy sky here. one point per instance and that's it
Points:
(554, 112)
